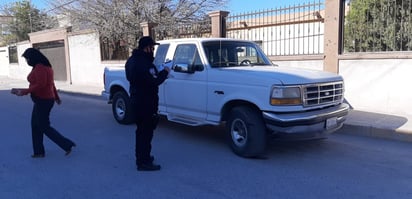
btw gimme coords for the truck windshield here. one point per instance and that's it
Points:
(234, 53)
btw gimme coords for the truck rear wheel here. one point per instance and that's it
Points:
(121, 108)
(246, 132)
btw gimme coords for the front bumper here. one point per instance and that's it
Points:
(316, 122)
(106, 96)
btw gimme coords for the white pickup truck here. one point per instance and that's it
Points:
(218, 81)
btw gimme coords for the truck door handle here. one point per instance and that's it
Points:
(219, 92)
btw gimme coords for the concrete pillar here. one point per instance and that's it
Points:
(218, 19)
(147, 29)
(332, 35)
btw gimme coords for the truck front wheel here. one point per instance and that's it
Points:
(121, 108)
(246, 132)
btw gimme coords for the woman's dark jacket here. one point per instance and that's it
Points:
(144, 81)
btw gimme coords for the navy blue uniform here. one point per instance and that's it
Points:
(144, 81)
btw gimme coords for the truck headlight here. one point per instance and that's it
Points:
(285, 96)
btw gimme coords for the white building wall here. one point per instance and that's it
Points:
(380, 85)
(21, 69)
(4, 61)
(86, 67)
(372, 85)
(85, 64)
(306, 64)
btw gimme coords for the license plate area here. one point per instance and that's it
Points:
(331, 123)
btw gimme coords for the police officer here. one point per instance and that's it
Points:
(144, 80)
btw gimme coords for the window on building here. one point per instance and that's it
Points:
(113, 50)
(13, 55)
(4, 29)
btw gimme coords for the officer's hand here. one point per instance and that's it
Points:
(167, 69)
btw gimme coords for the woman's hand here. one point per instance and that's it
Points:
(17, 91)
(58, 101)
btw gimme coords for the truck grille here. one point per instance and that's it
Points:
(319, 94)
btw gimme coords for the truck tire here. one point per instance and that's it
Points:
(246, 132)
(121, 108)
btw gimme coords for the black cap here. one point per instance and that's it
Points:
(146, 41)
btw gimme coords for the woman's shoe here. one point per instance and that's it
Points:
(148, 167)
(70, 150)
(38, 156)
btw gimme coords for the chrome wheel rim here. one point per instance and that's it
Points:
(239, 133)
(120, 108)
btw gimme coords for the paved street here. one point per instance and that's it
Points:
(196, 162)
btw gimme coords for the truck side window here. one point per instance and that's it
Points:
(233, 53)
(160, 55)
(188, 54)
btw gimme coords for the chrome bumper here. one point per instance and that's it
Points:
(316, 121)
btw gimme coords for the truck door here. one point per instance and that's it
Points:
(160, 58)
(185, 91)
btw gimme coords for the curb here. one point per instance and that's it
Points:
(79, 94)
(370, 131)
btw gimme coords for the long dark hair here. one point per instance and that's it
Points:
(34, 57)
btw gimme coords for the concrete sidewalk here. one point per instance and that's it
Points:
(378, 125)
(358, 122)
(80, 89)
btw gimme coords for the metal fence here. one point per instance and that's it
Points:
(378, 26)
(294, 30)
(200, 28)
(369, 26)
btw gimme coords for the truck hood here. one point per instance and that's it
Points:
(282, 75)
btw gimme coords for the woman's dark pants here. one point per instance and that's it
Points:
(40, 123)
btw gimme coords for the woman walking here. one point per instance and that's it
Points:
(43, 94)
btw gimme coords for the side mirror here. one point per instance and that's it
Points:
(183, 68)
